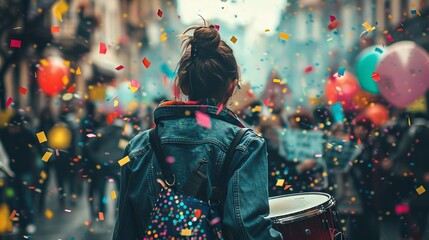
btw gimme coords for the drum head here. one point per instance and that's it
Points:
(295, 203)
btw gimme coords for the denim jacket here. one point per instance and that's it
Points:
(182, 138)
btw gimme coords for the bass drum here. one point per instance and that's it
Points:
(305, 216)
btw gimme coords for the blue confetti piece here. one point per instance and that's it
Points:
(341, 71)
(413, 11)
(337, 112)
(378, 50)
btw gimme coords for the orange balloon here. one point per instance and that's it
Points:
(52, 75)
(377, 113)
(343, 89)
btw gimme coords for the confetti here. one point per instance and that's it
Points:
(115, 103)
(368, 27)
(413, 11)
(378, 50)
(49, 214)
(113, 194)
(308, 69)
(159, 13)
(376, 76)
(267, 30)
(12, 214)
(217, 27)
(60, 8)
(203, 119)
(67, 210)
(276, 80)
(197, 213)
(420, 190)
(103, 48)
(219, 109)
(146, 62)
(23, 90)
(287, 187)
(186, 232)
(124, 161)
(267, 102)
(46, 156)
(119, 68)
(41, 137)
(134, 85)
(280, 182)
(332, 18)
(44, 62)
(284, 36)
(337, 112)
(333, 25)
(389, 37)
(55, 29)
(9, 101)
(70, 89)
(341, 71)
(65, 80)
(78, 72)
(101, 216)
(233, 39)
(15, 43)
(163, 37)
(91, 135)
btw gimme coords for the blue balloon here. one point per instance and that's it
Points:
(366, 64)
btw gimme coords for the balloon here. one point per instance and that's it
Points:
(365, 65)
(52, 75)
(343, 89)
(404, 73)
(377, 113)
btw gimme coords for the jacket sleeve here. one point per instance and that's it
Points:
(246, 203)
(125, 227)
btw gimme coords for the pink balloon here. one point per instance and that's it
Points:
(404, 73)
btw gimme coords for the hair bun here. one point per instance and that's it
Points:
(207, 37)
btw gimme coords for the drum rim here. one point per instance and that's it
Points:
(308, 213)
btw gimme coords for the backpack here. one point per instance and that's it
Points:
(189, 214)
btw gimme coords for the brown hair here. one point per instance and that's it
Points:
(207, 66)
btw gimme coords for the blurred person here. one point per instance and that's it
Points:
(411, 158)
(23, 148)
(364, 225)
(207, 75)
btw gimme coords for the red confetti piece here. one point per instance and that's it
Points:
(217, 27)
(197, 213)
(103, 48)
(164, 79)
(9, 101)
(159, 13)
(308, 70)
(250, 94)
(12, 214)
(389, 37)
(55, 29)
(333, 25)
(15, 43)
(146, 62)
(267, 101)
(71, 89)
(22, 90)
(119, 68)
(111, 117)
(101, 216)
(332, 18)
(376, 76)
(203, 119)
(287, 187)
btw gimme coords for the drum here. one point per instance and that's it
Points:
(305, 216)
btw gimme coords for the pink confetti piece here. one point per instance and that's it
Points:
(159, 13)
(332, 18)
(267, 101)
(170, 159)
(103, 48)
(203, 119)
(101, 216)
(9, 101)
(217, 27)
(15, 43)
(134, 83)
(215, 220)
(219, 109)
(119, 68)
(308, 70)
(91, 135)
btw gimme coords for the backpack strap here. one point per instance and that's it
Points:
(169, 177)
(219, 191)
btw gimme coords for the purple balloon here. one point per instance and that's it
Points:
(404, 73)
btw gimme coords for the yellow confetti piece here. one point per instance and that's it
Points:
(124, 161)
(257, 109)
(67, 63)
(420, 190)
(44, 62)
(276, 80)
(78, 72)
(115, 103)
(60, 8)
(46, 156)
(65, 80)
(280, 182)
(284, 36)
(41, 137)
(163, 37)
(113, 194)
(233, 39)
(49, 214)
(368, 26)
(186, 232)
(58, 15)
(267, 30)
(43, 175)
